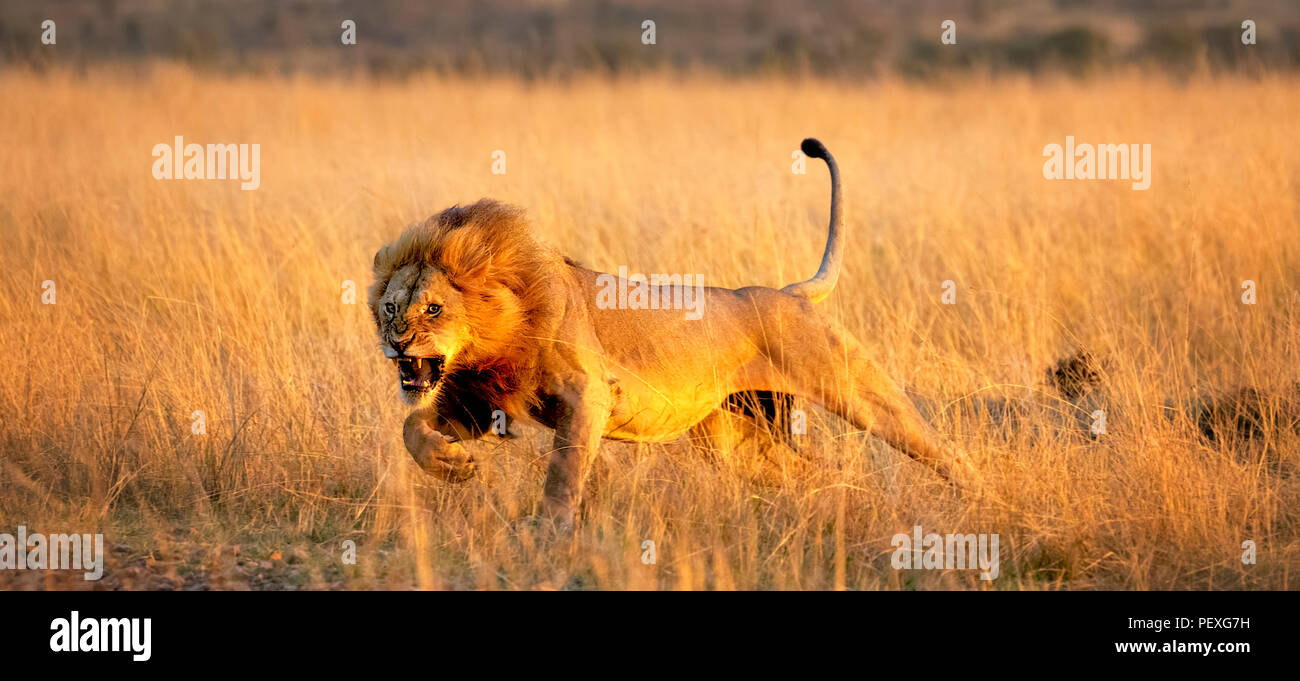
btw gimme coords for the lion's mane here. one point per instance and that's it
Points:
(508, 281)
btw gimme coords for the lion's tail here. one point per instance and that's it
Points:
(817, 288)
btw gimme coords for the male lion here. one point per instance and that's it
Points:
(477, 316)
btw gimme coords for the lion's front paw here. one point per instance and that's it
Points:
(449, 462)
(452, 470)
(437, 454)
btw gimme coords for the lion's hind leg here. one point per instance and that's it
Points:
(770, 412)
(750, 432)
(838, 374)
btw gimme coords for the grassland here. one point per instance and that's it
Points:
(177, 296)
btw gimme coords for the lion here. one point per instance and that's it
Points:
(477, 317)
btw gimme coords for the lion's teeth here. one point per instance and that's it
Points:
(418, 362)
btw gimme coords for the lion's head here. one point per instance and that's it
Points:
(461, 291)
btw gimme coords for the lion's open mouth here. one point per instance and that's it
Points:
(419, 374)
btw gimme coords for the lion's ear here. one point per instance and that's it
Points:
(381, 257)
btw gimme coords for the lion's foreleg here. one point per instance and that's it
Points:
(577, 436)
(434, 443)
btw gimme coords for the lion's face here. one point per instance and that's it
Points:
(422, 327)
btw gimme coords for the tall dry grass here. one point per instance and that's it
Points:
(180, 296)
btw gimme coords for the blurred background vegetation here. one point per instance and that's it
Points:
(561, 38)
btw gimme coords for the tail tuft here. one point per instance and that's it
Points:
(814, 148)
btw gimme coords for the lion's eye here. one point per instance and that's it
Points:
(434, 309)
(390, 308)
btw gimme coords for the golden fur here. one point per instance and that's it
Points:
(480, 318)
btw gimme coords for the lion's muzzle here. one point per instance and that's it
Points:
(419, 374)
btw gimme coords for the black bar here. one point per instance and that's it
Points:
(331, 631)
